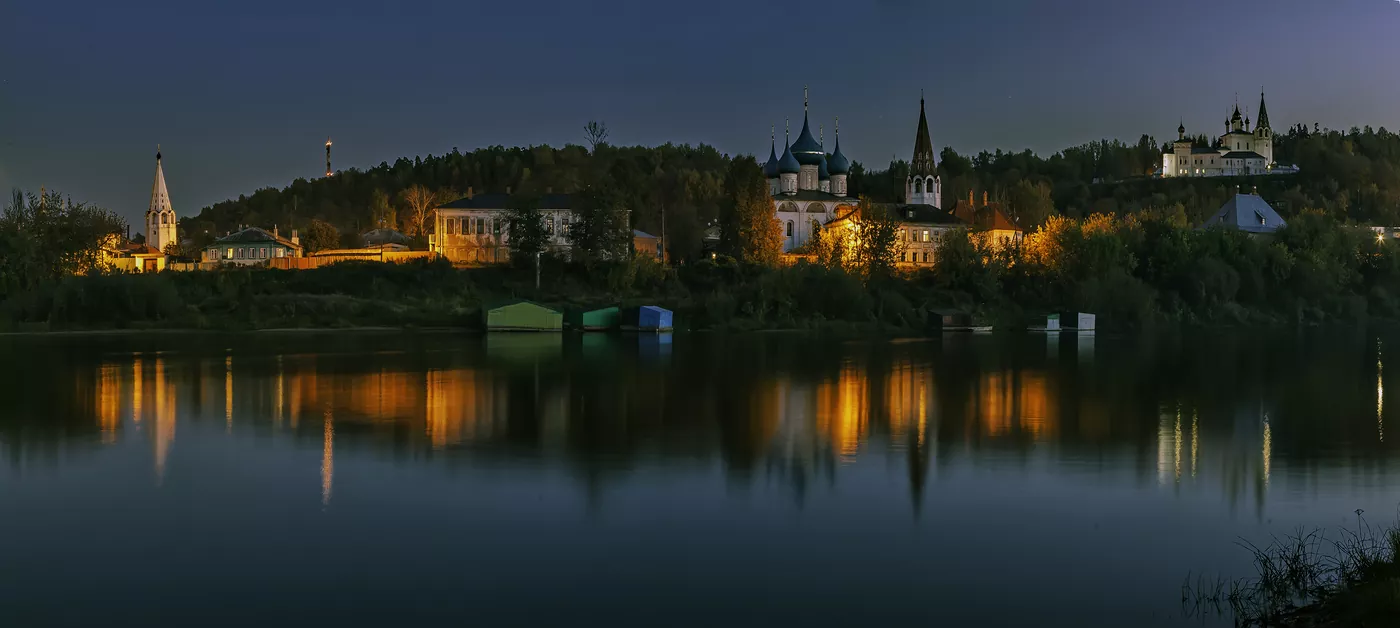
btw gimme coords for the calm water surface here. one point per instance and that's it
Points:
(361, 480)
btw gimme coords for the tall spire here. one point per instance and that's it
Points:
(804, 101)
(1263, 121)
(821, 135)
(160, 216)
(923, 162)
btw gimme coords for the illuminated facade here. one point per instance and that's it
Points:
(476, 229)
(808, 188)
(252, 246)
(1241, 151)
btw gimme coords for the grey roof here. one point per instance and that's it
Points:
(1243, 154)
(1244, 133)
(253, 235)
(1199, 150)
(641, 234)
(379, 237)
(1246, 212)
(503, 201)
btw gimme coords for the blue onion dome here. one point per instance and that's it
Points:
(838, 164)
(770, 169)
(788, 164)
(822, 173)
(806, 149)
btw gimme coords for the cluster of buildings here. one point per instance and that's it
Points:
(810, 189)
(1243, 150)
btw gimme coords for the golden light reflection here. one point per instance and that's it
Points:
(841, 411)
(460, 405)
(164, 418)
(279, 395)
(1034, 401)
(994, 403)
(136, 392)
(109, 402)
(228, 393)
(327, 456)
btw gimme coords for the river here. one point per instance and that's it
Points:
(371, 479)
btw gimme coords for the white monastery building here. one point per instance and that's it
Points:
(1243, 151)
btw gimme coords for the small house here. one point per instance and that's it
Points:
(647, 245)
(523, 316)
(251, 246)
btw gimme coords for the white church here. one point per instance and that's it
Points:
(1242, 151)
(810, 190)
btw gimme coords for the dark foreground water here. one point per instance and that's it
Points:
(394, 480)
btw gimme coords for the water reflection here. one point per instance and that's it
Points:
(793, 411)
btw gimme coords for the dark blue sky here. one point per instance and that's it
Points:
(243, 95)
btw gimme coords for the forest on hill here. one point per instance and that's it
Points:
(1353, 176)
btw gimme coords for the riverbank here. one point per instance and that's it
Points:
(708, 295)
(1312, 581)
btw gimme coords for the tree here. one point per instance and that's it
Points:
(382, 214)
(526, 228)
(321, 236)
(600, 229)
(749, 228)
(1030, 203)
(43, 238)
(422, 204)
(877, 242)
(597, 133)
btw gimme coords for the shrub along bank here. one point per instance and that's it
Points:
(1141, 271)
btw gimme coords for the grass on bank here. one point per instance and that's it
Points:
(1308, 580)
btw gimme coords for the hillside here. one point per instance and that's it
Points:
(1352, 175)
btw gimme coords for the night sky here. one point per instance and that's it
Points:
(243, 96)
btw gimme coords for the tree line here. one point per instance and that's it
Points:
(1351, 175)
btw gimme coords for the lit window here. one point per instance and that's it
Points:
(228, 254)
(925, 235)
(281, 253)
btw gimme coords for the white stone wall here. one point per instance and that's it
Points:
(923, 191)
